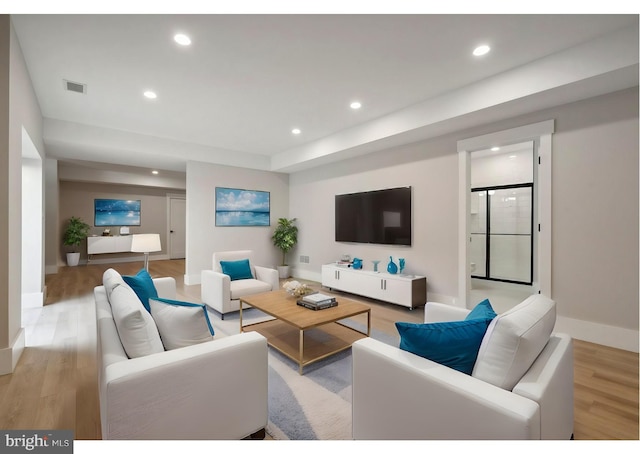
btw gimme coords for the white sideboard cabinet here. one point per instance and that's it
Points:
(108, 244)
(402, 289)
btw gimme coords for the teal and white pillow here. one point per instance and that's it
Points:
(144, 287)
(181, 323)
(452, 344)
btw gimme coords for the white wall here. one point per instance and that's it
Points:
(32, 238)
(594, 221)
(430, 168)
(23, 112)
(204, 238)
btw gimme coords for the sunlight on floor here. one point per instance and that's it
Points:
(502, 296)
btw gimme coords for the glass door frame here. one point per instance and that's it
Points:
(487, 264)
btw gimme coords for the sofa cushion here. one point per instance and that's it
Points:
(181, 323)
(110, 279)
(237, 269)
(246, 287)
(143, 285)
(452, 344)
(514, 340)
(136, 328)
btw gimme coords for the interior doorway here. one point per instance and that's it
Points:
(537, 231)
(32, 284)
(502, 213)
(177, 226)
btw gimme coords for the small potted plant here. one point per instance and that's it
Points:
(77, 230)
(285, 238)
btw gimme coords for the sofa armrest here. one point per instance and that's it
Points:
(166, 287)
(215, 288)
(549, 382)
(268, 275)
(401, 396)
(213, 390)
(439, 312)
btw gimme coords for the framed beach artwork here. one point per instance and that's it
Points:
(115, 212)
(242, 207)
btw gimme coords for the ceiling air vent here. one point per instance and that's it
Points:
(75, 86)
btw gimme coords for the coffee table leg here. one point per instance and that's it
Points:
(240, 315)
(301, 347)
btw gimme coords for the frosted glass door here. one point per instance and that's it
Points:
(478, 240)
(510, 234)
(501, 239)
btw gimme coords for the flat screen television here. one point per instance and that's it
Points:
(378, 217)
(116, 212)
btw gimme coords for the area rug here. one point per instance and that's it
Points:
(313, 406)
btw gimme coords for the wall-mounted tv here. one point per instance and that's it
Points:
(116, 212)
(379, 217)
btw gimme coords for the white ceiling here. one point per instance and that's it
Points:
(234, 95)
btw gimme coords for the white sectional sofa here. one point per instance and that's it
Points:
(521, 386)
(211, 390)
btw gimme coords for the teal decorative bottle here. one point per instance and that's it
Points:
(392, 268)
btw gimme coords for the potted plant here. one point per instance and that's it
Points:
(285, 238)
(76, 231)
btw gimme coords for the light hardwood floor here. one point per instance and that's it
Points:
(55, 383)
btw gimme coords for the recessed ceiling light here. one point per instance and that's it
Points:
(512, 156)
(295, 131)
(481, 50)
(150, 94)
(155, 172)
(495, 148)
(355, 105)
(181, 39)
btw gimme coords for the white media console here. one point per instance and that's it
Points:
(402, 289)
(108, 244)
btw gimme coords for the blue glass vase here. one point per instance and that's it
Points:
(392, 268)
(401, 261)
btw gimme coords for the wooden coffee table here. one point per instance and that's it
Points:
(325, 336)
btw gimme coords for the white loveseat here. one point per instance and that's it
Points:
(521, 386)
(212, 390)
(222, 294)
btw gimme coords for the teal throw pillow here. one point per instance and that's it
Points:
(143, 285)
(236, 270)
(452, 344)
(482, 310)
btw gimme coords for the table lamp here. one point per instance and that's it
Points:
(146, 242)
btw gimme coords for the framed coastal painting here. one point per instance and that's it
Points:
(115, 212)
(242, 207)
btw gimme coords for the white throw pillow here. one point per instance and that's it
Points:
(514, 340)
(137, 330)
(180, 323)
(110, 280)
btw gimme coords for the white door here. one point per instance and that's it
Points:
(177, 228)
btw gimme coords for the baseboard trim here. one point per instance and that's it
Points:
(9, 356)
(611, 336)
(192, 279)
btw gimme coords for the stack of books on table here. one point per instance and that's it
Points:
(317, 301)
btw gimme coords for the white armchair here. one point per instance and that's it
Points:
(521, 386)
(222, 294)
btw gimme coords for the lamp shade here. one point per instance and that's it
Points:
(145, 242)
